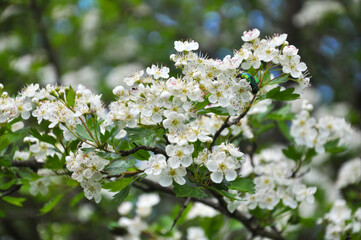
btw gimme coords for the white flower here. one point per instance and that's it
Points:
(174, 122)
(169, 174)
(250, 35)
(179, 155)
(157, 72)
(220, 165)
(156, 164)
(196, 233)
(40, 186)
(186, 46)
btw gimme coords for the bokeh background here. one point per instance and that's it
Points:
(99, 42)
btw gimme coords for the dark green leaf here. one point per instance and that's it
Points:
(77, 198)
(120, 166)
(119, 197)
(201, 105)
(225, 193)
(333, 147)
(243, 185)
(5, 161)
(292, 153)
(285, 95)
(14, 200)
(43, 138)
(189, 191)
(51, 204)
(2, 213)
(117, 185)
(285, 130)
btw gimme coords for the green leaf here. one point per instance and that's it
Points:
(14, 200)
(243, 185)
(216, 110)
(7, 185)
(309, 155)
(119, 197)
(141, 155)
(82, 132)
(292, 153)
(5, 161)
(43, 138)
(282, 113)
(54, 162)
(277, 80)
(117, 185)
(120, 166)
(265, 128)
(4, 142)
(2, 213)
(189, 191)
(201, 105)
(333, 147)
(77, 198)
(285, 95)
(225, 193)
(51, 204)
(285, 130)
(70, 96)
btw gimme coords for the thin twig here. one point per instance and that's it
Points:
(185, 204)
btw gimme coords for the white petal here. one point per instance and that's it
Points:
(217, 177)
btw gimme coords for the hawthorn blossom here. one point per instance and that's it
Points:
(169, 174)
(157, 72)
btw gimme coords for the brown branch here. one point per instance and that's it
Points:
(11, 190)
(156, 150)
(250, 223)
(52, 56)
(34, 165)
(227, 123)
(185, 204)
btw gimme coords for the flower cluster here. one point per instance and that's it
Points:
(274, 183)
(341, 220)
(308, 132)
(85, 168)
(350, 173)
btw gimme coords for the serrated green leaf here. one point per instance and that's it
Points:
(4, 142)
(14, 200)
(216, 110)
(189, 191)
(119, 197)
(82, 132)
(120, 166)
(51, 204)
(243, 185)
(70, 96)
(77, 198)
(117, 185)
(54, 162)
(265, 128)
(285, 95)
